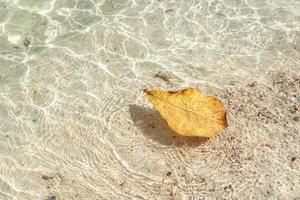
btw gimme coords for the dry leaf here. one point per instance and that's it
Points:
(190, 112)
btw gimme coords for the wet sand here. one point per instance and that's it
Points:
(75, 124)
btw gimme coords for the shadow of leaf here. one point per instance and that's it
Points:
(154, 127)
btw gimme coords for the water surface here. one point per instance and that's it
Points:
(74, 122)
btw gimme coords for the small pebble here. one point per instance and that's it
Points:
(45, 177)
(169, 10)
(252, 84)
(293, 159)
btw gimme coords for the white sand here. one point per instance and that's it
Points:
(72, 110)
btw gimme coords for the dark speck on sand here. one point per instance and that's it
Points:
(27, 41)
(162, 77)
(52, 197)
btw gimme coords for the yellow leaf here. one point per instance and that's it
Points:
(190, 112)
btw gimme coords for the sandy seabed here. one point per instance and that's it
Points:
(75, 124)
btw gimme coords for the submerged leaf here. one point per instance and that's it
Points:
(190, 112)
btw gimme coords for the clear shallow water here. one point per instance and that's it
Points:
(74, 123)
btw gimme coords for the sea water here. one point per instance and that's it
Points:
(75, 124)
